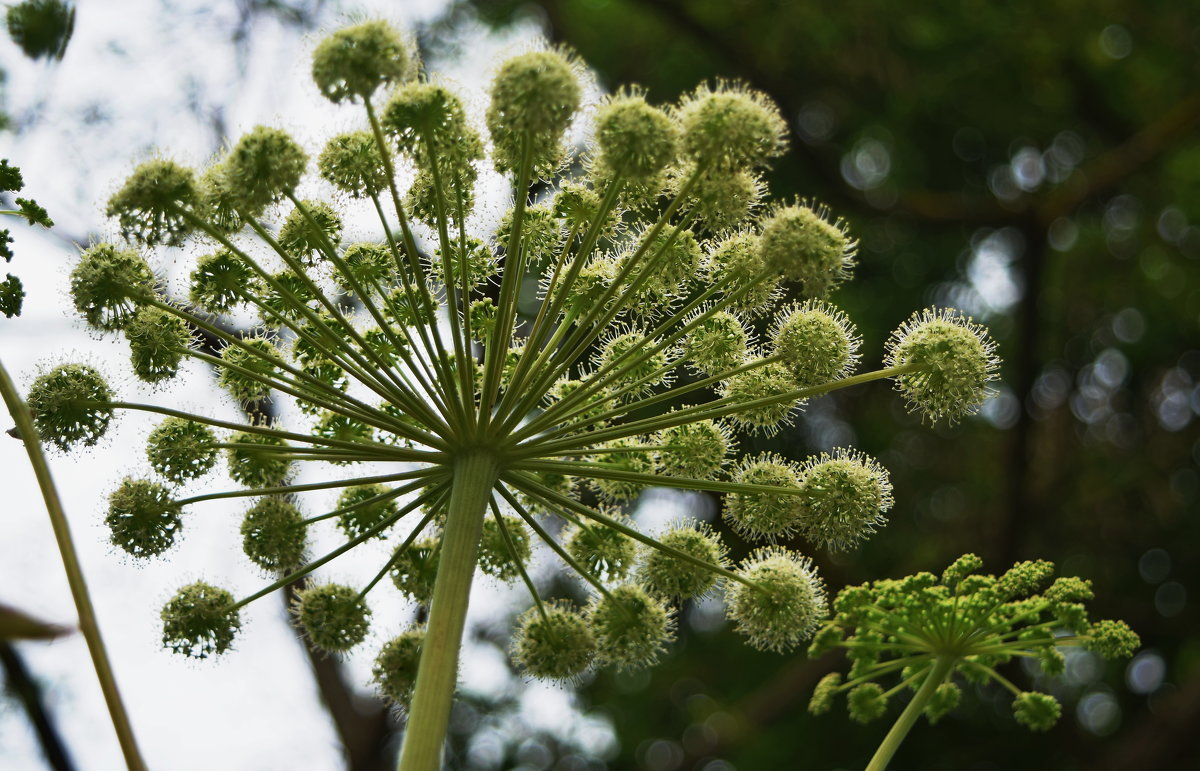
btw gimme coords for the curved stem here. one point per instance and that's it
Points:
(79, 591)
(475, 475)
(908, 717)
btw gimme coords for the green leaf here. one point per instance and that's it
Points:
(42, 28)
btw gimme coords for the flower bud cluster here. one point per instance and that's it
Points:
(973, 622)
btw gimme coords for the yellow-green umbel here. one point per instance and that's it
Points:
(923, 631)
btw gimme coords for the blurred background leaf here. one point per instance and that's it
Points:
(42, 28)
(18, 625)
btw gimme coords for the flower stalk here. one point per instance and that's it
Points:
(908, 718)
(474, 475)
(88, 625)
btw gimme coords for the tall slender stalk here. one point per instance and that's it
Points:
(475, 475)
(79, 591)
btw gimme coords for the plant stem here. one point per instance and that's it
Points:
(475, 474)
(908, 717)
(79, 592)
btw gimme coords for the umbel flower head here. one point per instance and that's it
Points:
(493, 421)
(923, 632)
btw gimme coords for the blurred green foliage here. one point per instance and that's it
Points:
(1037, 165)
(42, 28)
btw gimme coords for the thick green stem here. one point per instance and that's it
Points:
(908, 717)
(475, 475)
(79, 592)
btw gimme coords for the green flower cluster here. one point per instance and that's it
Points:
(12, 291)
(924, 631)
